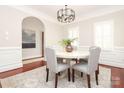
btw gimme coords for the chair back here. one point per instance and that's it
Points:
(93, 59)
(51, 59)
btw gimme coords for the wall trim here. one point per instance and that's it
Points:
(119, 49)
(119, 65)
(31, 57)
(2, 48)
(10, 67)
(101, 12)
(11, 58)
(34, 12)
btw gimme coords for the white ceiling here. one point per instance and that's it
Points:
(81, 11)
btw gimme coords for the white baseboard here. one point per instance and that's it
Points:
(29, 57)
(10, 67)
(114, 64)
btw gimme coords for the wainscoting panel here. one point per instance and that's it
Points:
(112, 58)
(10, 58)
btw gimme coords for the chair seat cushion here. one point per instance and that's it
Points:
(82, 67)
(62, 67)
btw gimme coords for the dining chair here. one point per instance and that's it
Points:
(85, 59)
(57, 48)
(80, 48)
(53, 66)
(89, 67)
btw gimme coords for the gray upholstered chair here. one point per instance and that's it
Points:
(57, 48)
(53, 66)
(86, 60)
(89, 67)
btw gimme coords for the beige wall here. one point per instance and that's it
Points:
(11, 35)
(11, 30)
(11, 27)
(86, 28)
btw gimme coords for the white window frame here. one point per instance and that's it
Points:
(112, 34)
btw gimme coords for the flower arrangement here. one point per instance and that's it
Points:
(67, 44)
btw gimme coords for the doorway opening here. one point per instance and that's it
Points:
(32, 39)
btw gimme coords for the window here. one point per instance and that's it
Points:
(104, 34)
(74, 33)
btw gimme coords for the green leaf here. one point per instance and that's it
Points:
(65, 42)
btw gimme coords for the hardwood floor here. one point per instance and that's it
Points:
(0, 85)
(26, 67)
(117, 78)
(117, 74)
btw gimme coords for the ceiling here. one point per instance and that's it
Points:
(81, 11)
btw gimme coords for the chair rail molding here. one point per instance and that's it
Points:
(10, 58)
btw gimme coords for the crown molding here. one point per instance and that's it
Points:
(35, 13)
(101, 12)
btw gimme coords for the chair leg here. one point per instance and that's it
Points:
(59, 73)
(69, 74)
(88, 80)
(47, 70)
(96, 75)
(0, 85)
(98, 69)
(76, 61)
(73, 77)
(56, 80)
(81, 74)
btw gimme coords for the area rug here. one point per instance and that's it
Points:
(37, 79)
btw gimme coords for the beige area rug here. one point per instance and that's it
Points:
(37, 79)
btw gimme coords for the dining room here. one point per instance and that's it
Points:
(71, 46)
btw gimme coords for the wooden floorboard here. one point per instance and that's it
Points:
(0, 85)
(26, 67)
(117, 78)
(117, 74)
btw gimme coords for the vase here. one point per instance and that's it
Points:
(69, 48)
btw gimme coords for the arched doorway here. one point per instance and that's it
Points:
(32, 38)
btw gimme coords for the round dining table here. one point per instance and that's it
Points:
(68, 56)
(72, 55)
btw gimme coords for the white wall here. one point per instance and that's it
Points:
(86, 33)
(11, 33)
(10, 27)
(86, 37)
(53, 34)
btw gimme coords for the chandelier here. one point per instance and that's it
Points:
(66, 15)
